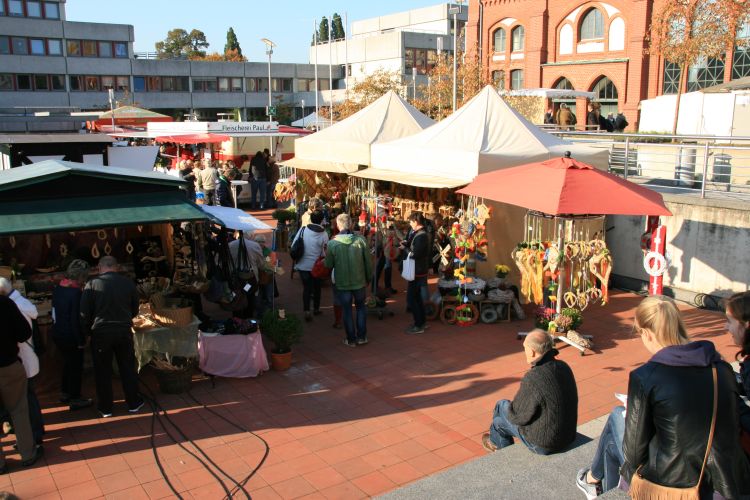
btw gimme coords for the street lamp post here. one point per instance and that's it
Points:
(455, 11)
(112, 108)
(413, 84)
(302, 102)
(269, 51)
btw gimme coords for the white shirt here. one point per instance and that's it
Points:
(25, 306)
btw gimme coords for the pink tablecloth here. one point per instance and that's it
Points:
(237, 356)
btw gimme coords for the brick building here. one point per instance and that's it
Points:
(584, 45)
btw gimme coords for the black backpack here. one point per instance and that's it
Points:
(298, 246)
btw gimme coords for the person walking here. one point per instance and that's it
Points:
(258, 167)
(207, 179)
(349, 257)
(418, 249)
(67, 334)
(314, 239)
(108, 305)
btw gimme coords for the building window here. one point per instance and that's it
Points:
(565, 84)
(4, 45)
(15, 8)
(516, 79)
(33, 8)
(204, 84)
(23, 82)
(236, 84)
(51, 10)
(671, 78)
(41, 82)
(74, 48)
(6, 82)
(741, 59)
(89, 48)
(19, 45)
(54, 47)
(517, 38)
(121, 49)
(263, 85)
(323, 84)
(108, 82)
(173, 83)
(123, 83)
(2, 13)
(606, 95)
(105, 49)
(705, 73)
(499, 40)
(498, 79)
(592, 26)
(408, 59)
(58, 82)
(37, 46)
(92, 83)
(422, 59)
(223, 84)
(76, 83)
(153, 84)
(139, 84)
(251, 85)
(281, 85)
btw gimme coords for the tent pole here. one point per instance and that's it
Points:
(561, 267)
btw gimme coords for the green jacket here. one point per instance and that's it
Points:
(349, 256)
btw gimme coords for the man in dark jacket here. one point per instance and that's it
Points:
(544, 413)
(13, 381)
(418, 248)
(108, 306)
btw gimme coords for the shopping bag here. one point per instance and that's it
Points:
(319, 269)
(409, 268)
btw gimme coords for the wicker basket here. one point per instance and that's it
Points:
(171, 312)
(175, 381)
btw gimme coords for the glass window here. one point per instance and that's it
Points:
(123, 83)
(105, 49)
(2, 11)
(19, 45)
(121, 49)
(74, 48)
(281, 84)
(671, 78)
(92, 83)
(499, 39)
(421, 60)
(139, 84)
(174, 83)
(58, 82)
(498, 79)
(33, 8)
(108, 82)
(517, 35)
(23, 82)
(516, 79)
(54, 47)
(6, 81)
(236, 84)
(705, 73)
(263, 84)
(323, 84)
(153, 83)
(592, 26)
(223, 84)
(204, 84)
(41, 82)
(431, 59)
(51, 10)
(37, 46)
(4, 44)
(606, 95)
(409, 59)
(564, 84)
(15, 8)
(251, 84)
(77, 83)
(89, 48)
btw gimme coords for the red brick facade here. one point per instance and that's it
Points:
(553, 47)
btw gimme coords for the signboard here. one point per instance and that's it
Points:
(243, 127)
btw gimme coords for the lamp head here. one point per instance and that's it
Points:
(269, 45)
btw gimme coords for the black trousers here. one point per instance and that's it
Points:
(105, 345)
(72, 373)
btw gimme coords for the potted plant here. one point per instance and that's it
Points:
(576, 318)
(284, 330)
(283, 216)
(501, 270)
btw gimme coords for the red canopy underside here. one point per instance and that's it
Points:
(562, 186)
(193, 138)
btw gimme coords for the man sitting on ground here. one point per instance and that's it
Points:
(544, 413)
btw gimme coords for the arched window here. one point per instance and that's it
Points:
(498, 79)
(564, 84)
(516, 79)
(592, 26)
(606, 95)
(517, 38)
(499, 37)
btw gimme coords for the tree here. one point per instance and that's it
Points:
(323, 30)
(367, 90)
(229, 56)
(685, 32)
(337, 28)
(232, 43)
(180, 44)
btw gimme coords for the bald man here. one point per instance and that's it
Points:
(544, 413)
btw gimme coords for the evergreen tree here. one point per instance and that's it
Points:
(337, 28)
(232, 43)
(323, 30)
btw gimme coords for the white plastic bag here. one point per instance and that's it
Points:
(409, 268)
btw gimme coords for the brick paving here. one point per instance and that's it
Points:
(341, 423)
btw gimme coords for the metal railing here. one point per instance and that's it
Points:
(685, 163)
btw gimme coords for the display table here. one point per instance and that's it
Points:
(167, 341)
(237, 356)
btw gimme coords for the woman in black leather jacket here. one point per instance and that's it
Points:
(670, 405)
(738, 326)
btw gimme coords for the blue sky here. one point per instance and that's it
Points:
(288, 23)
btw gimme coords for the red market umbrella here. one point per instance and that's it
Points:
(564, 186)
(193, 138)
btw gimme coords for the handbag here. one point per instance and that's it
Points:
(319, 269)
(29, 358)
(409, 269)
(642, 489)
(297, 250)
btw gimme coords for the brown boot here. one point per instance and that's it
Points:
(338, 314)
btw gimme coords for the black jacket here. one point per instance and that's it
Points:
(14, 329)
(66, 301)
(419, 246)
(224, 192)
(545, 408)
(670, 401)
(109, 303)
(258, 167)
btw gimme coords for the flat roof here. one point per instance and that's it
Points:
(53, 138)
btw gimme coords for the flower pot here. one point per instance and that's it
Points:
(281, 362)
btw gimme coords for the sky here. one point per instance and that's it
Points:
(288, 23)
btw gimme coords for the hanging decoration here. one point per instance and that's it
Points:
(129, 248)
(95, 251)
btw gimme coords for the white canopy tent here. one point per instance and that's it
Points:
(234, 218)
(483, 135)
(312, 121)
(345, 146)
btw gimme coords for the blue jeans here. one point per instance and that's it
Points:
(608, 457)
(415, 299)
(502, 430)
(258, 193)
(345, 298)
